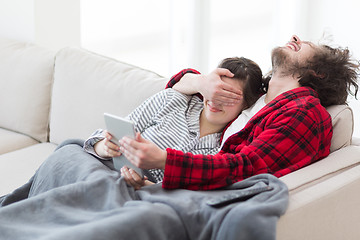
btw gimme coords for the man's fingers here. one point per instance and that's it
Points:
(130, 143)
(126, 147)
(231, 91)
(227, 98)
(224, 72)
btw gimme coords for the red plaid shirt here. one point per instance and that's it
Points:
(292, 131)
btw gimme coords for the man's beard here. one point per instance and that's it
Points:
(279, 58)
(282, 61)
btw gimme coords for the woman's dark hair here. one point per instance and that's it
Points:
(250, 73)
(331, 73)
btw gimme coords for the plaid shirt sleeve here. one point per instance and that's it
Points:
(176, 78)
(286, 142)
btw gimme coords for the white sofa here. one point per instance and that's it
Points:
(48, 97)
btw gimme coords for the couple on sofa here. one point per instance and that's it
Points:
(279, 132)
(71, 196)
(292, 131)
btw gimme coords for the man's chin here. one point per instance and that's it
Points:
(279, 57)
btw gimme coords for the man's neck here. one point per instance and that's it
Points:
(279, 84)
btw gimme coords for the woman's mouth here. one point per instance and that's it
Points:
(212, 108)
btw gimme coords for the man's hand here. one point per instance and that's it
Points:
(143, 153)
(214, 89)
(210, 86)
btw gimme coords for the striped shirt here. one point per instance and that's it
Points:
(170, 120)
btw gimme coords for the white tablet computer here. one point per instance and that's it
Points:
(119, 127)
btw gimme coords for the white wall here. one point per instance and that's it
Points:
(340, 20)
(17, 19)
(51, 23)
(58, 23)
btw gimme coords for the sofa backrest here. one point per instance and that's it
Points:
(86, 85)
(343, 126)
(26, 72)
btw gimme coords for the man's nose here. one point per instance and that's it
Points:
(295, 38)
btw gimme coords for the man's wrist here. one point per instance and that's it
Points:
(163, 159)
(199, 83)
(188, 84)
(195, 81)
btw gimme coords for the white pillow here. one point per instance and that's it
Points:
(86, 85)
(26, 72)
(343, 126)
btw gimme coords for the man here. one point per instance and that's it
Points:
(293, 130)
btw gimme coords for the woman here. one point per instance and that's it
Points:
(171, 119)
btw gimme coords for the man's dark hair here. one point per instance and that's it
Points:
(331, 72)
(250, 73)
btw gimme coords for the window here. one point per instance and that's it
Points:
(136, 32)
(168, 35)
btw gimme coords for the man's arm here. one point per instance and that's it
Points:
(185, 81)
(211, 86)
(290, 141)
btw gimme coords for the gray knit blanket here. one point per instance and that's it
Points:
(75, 196)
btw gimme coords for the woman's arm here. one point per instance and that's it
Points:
(99, 144)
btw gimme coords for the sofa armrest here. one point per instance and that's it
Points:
(328, 210)
(332, 165)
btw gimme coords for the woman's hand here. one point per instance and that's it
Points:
(105, 148)
(133, 179)
(143, 153)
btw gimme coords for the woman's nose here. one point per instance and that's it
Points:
(215, 105)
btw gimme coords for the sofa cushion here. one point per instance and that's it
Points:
(86, 85)
(343, 126)
(11, 141)
(26, 72)
(19, 166)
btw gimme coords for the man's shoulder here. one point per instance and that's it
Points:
(303, 98)
(308, 107)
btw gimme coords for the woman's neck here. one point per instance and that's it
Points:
(207, 128)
